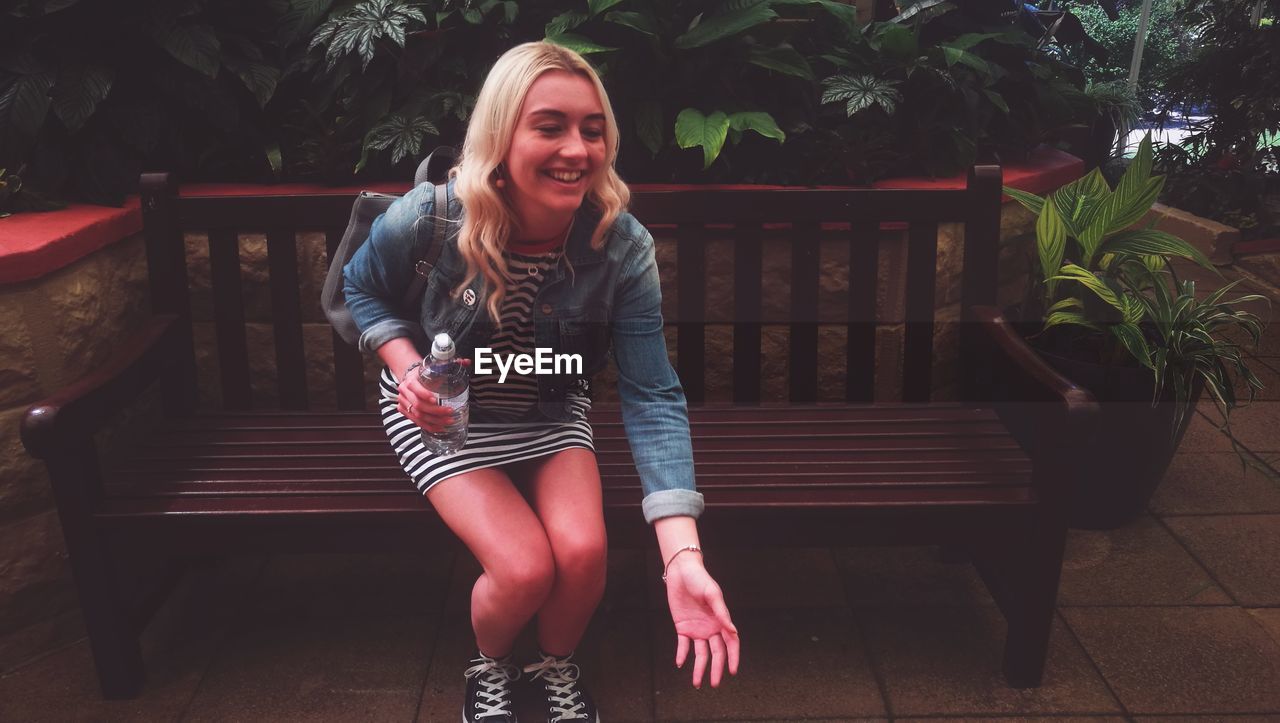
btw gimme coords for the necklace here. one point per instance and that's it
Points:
(533, 270)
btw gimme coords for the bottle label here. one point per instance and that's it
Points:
(457, 401)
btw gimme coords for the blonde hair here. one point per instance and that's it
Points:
(489, 218)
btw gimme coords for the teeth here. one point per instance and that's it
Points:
(567, 177)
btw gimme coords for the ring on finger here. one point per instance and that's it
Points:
(411, 409)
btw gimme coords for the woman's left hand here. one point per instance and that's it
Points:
(700, 615)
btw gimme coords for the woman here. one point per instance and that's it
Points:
(544, 255)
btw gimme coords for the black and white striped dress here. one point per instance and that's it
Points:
(505, 426)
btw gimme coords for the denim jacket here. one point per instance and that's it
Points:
(598, 303)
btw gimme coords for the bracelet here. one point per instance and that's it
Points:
(695, 548)
(412, 366)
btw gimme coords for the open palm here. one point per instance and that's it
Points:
(701, 617)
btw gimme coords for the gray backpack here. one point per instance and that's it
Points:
(367, 208)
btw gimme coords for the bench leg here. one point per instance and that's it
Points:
(113, 637)
(113, 632)
(1033, 584)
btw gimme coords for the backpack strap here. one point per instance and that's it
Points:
(428, 261)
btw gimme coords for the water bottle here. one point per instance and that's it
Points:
(446, 378)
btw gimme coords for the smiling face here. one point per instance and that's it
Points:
(560, 133)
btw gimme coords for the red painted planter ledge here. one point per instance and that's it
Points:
(35, 244)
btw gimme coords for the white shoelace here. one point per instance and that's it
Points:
(561, 677)
(496, 685)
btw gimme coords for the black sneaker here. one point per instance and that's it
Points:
(489, 686)
(567, 699)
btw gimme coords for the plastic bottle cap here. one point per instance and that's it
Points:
(442, 347)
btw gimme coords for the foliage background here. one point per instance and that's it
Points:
(93, 92)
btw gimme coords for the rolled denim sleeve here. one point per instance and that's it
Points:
(379, 273)
(654, 411)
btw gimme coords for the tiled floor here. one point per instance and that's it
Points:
(1175, 616)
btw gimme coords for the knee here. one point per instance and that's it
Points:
(581, 556)
(530, 574)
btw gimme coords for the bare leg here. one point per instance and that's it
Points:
(565, 492)
(484, 509)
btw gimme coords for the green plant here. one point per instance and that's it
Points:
(1166, 41)
(382, 76)
(1230, 80)
(694, 75)
(1191, 345)
(1100, 273)
(92, 93)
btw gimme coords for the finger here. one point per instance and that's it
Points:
(682, 650)
(717, 659)
(734, 645)
(699, 661)
(722, 613)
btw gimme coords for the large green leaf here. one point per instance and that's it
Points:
(954, 55)
(302, 17)
(648, 119)
(758, 121)
(25, 103)
(579, 44)
(846, 13)
(1080, 200)
(595, 7)
(1140, 242)
(634, 20)
(1051, 244)
(1131, 336)
(1072, 272)
(1128, 205)
(1030, 201)
(1133, 196)
(194, 45)
(402, 135)
(1057, 318)
(693, 129)
(725, 25)
(564, 22)
(78, 91)
(861, 92)
(783, 59)
(260, 78)
(968, 40)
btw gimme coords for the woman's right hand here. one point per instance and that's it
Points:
(421, 405)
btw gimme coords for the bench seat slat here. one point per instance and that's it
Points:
(609, 414)
(122, 510)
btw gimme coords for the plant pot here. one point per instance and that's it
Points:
(1131, 447)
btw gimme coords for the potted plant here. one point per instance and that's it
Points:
(1109, 311)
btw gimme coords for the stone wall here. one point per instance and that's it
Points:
(52, 331)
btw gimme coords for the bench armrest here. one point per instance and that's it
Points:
(1050, 416)
(78, 410)
(1032, 377)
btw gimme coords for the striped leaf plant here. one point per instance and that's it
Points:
(1101, 270)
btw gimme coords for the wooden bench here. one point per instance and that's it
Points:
(982, 476)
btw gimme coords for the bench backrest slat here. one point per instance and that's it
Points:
(917, 350)
(864, 275)
(286, 318)
(802, 341)
(747, 312)
(348, 363)
(228, 306)
(691, 302)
